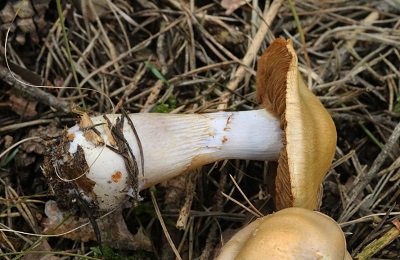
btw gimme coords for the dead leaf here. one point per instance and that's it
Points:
(8, 141)
(93, 9)
(89, 132)
(38, 146)
(7, 13)
(22, 106)
(113, 229)
(232, 5)
(24, 9)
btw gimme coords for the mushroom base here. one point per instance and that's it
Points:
(66, 175)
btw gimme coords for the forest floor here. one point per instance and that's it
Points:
(173, 56)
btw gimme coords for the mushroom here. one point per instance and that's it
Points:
(309, 132)
(291, 233)
(105, 158)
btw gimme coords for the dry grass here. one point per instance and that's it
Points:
(179, 57)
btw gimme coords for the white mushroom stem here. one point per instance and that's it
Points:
(174, 144)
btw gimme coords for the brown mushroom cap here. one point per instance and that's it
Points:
(292, 233)
(309, 132)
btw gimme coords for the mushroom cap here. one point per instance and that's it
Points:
(309, 132)
(292, 233)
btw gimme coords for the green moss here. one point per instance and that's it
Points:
(110, 254)
(165, 107)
